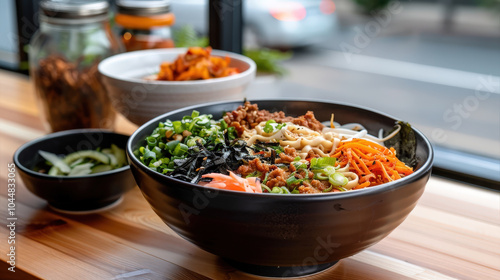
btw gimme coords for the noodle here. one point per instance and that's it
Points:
(308, 143)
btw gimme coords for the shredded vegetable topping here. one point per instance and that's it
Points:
(261, 151)
(373, 163)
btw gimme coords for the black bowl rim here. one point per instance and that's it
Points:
(421, 172)
(59, 134)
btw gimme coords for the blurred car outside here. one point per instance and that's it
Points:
(268, 23)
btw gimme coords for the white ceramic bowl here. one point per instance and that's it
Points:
(140, 100)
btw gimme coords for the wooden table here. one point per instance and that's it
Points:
(453, 233)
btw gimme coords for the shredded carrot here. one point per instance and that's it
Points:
(362, 186)
(233, 182)
(196, 64)
(373, 163)
(357, 156)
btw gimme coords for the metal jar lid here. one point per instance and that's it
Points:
(74, 9)
(143, 8)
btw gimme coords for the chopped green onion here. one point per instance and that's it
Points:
(266, 178)
(292, 180)
(172, 144)
(231, 132)
(254, 174)
(328, 189)
(278, 149)
(320, 163)
(180, 149)
(272, 125)
(342, 189)
(338, 179)
(193, 140)
(156, 163)
(192, 125)
(178, 127)
(285, 190)
(268, 128)
(266, 188)
(300, 165)
(157, 151)
(223, 125)
(149, 155)
(203, 129)
(161, 131)
(321, 176)
(277, 190)
(136, 153)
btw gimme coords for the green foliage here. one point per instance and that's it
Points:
(186, 36)
(492, 5)
(267, 60)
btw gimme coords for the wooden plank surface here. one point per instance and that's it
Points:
(453, 233)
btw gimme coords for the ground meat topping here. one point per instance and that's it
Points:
(248, 116)
(277, 176)
(308, 120)
(274, 169)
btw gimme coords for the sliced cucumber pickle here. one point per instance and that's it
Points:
(101, 168)
(85, 162)
(119, 154)
(82, 169)
(101, 157)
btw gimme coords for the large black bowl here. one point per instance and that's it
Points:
(282, 235)
(78, 193)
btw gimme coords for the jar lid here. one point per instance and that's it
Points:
(74, 9)
(143, 8)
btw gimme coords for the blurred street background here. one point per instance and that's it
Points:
(440, 74)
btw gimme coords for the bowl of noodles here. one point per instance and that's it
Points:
(144, 84)
(280, 188)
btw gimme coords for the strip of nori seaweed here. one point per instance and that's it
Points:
(405, 143)
(221, 159)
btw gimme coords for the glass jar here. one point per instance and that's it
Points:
(144, 24)
(74, 36)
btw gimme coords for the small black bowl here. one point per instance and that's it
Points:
(78, 193)
(283, 235)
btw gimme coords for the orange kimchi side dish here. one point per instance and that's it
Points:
(196, 64)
